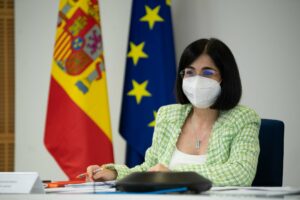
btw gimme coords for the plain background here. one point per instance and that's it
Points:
(263, 36)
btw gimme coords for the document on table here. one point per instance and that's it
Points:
(85, 188)
(254, 191)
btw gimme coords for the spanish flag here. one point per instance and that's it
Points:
(78, 131)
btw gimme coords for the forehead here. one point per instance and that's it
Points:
(203, 60)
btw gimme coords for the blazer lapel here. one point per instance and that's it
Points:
(174, 130)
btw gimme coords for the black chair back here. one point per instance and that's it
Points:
(270, 162)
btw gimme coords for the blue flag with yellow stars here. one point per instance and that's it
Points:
(150, 74)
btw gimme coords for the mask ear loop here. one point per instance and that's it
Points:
(220, 81)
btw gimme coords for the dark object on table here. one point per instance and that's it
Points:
(154, 181)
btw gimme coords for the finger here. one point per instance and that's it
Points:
(88, 179)
(99, 176)
(97, 170)
(163, 167)
(158, 168)
(105, 175)
(90, 170)
(153, 169)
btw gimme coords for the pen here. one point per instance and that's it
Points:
(84, 175)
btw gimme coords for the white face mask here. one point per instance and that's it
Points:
(202, 92)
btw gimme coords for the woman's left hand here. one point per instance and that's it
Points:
(159, 168)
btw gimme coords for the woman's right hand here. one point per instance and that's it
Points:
(97, 173)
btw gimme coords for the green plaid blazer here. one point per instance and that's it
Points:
(233, 149)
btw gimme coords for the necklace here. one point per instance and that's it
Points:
(197, 143)
(198, 139)
(204, 133)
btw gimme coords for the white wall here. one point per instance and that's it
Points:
(263, 36)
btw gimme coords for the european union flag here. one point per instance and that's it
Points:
(150, 74)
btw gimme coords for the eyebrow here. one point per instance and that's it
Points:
(191, 67)
(205, 67)
(209, 67)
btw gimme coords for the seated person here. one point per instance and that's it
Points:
(207, 131)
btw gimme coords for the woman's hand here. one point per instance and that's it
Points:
(97, 173)
(159, 168)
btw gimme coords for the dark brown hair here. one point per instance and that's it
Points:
(231, 87)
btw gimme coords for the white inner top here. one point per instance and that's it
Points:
(180, 157)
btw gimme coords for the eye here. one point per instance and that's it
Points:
(208, 72)
(189, 72)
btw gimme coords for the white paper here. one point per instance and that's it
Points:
(71, 190)
(92, 184)
(254, 191)
(85, 188)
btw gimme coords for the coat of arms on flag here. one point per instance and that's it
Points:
(78, 131)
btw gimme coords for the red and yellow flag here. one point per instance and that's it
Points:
(78, 131)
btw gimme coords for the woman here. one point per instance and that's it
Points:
(207, 132)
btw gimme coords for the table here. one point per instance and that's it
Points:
(137, 197)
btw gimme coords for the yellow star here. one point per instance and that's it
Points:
(152, 16)
(169, 2)
(139, 91)
(152, 124)
(136, 52)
